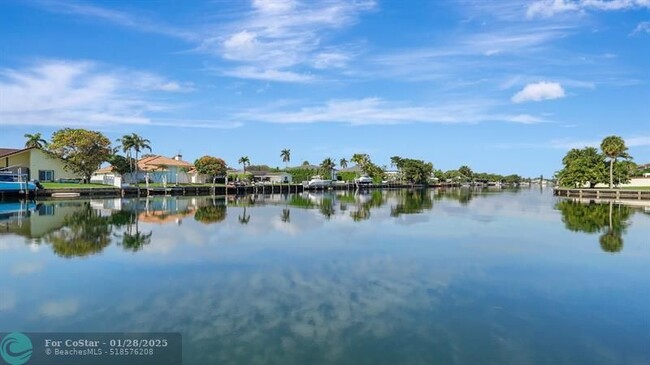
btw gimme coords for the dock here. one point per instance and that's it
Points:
(603, 194)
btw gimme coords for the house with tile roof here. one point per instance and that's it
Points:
(155, 169)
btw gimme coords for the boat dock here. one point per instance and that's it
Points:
(603, 194)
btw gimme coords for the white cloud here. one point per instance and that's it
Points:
(539, 91)
(643, 27)
(274, 6)
(59, 308)
(250, 72)
(277, 36)
(64, 93)
(374, 111)
(548, 8)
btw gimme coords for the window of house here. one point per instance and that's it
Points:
(45, 175)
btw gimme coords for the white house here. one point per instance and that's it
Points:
(272, 177)
(155, 169)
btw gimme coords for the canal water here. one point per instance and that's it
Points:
(380, 277)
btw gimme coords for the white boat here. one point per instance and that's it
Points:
(65, 195)
(318, 182)
(365, 179)
(15, 183)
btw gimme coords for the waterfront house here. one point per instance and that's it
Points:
(279, 177)
(155, 169)
(36, 163)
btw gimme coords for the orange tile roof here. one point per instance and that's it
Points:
(105, 170)
(154, 163)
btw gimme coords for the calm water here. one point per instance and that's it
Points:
(393, 277)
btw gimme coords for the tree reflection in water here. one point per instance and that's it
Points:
(244, 218)
(412, 202)
(594, 217)
(133, 240)
(211, 212)
(85, 232)
(365, 202)
(286, 215)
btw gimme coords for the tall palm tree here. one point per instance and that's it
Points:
(361, 159)
(35, 140)
(139, 144)
(126, 144)
(343, 163)
(613, 147)
(327, 166)
(244, 160)
(286, 156)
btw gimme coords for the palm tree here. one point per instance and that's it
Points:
(244, 160)
(613, 147)
(466, 171)
(35, 140)
(138, 144)
(327, 166)
(286, 156)
(361, 159)
(126, 144)
(343, 163)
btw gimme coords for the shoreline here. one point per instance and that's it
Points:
(616, 195)
(204, 190)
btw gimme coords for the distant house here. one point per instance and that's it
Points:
(36, 163)
(272, 177)
(356, 169)
(156, 169)
(644, 168)
(308, 167)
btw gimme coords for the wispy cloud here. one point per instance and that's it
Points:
(643, 27)
(630, 141)
(548, 8)
(376, 111)
(488, 55)
(64, 93)
(121, 18)
(568, 143)
(256, 73)
(539, 91)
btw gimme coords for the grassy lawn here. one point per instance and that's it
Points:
(52, 185)
(644, 188)
(160, 185)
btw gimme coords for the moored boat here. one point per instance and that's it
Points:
(16, 183)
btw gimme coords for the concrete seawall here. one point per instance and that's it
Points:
(205, 190)
(603, 194)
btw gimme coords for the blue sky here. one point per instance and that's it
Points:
(503, 86)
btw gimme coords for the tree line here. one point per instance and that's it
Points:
(84, 151)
